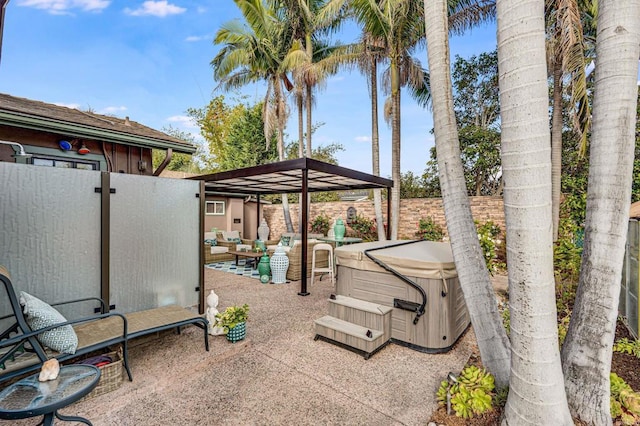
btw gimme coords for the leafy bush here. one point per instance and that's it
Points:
(625, 403)
(488, 236)
(320, 224)
(429, 230)
(471, 394)
(627, 347)
(567, 253)
(364, 228)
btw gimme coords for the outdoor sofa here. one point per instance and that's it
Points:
(22, 351)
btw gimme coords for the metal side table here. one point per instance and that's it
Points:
(30, 397)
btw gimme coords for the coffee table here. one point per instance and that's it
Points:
(30, 397)
(251, 256)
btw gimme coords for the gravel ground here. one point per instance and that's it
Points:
(277, 375)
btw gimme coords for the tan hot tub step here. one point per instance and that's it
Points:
(363, 313)
(349, 335)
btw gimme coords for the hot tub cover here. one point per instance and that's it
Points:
(421, 259)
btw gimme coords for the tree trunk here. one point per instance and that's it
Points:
(280, 117)
(309, 89)
(586, 354)
(300, 123)
(556, 146)
(309, 124)
(395, 144)
(536, 386)
(375, 149)
(472, 270)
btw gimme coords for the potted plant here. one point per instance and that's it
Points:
(234, 321)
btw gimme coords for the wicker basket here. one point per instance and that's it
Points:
(111, 375)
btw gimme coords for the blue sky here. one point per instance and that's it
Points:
(149, 60)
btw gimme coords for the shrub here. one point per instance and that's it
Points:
(488, 236)
(429, 230)
(625, 403)
(471, 394)
(364, 228)
(627, 347)
(320, 224)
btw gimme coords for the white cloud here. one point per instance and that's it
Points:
(74, 106)
(183, 120)
(113, 109)
(63, 7)
(197, 38)
(362, 138)
(155, 8)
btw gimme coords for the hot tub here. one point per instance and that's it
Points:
(429, 313)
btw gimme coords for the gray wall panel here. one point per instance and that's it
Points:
(154, 242)
(50, 238)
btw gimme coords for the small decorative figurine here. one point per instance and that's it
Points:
(212, 304)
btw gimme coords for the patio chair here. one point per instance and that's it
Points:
(22, 350)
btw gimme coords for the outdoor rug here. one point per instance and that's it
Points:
(230, 266)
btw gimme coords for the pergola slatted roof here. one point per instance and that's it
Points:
(287, 177)
(302, 175)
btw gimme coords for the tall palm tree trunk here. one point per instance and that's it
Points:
(375, 148)
(309, 102)
(556, 146)
(281, 119)
(395, 146)
(536, 391)
(472, 270)
(586, 354)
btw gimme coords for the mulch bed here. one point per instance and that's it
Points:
(624, 365)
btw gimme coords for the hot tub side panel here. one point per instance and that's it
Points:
(445, 318)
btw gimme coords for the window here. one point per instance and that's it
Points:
(215, 208)
(48, 161)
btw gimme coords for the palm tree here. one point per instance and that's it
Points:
(257, 51)
(586, 353)
(565, 56)
(374, 52)
(472, 271)
(536, 391)
(400, 23)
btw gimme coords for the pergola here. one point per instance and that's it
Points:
(302, 175)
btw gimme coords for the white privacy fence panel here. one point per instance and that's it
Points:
(50, 233)
(155, 250)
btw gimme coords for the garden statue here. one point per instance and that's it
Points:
(212, 303)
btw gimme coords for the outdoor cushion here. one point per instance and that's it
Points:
(39, 314)
(219, 249)
(232, 236)
(285, 239)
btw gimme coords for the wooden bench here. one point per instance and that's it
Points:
(21, 352)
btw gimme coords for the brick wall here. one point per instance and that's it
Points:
(411, 211)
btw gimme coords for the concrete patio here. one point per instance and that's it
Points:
(277, 375)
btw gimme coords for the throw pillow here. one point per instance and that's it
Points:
(236, 240)
(39, 315)
(285, 240)
(212, 242)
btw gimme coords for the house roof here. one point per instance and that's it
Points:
(73, 123)
(288, 177)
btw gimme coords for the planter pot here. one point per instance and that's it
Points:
(237, 333)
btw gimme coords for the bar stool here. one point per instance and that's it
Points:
(329, 269)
